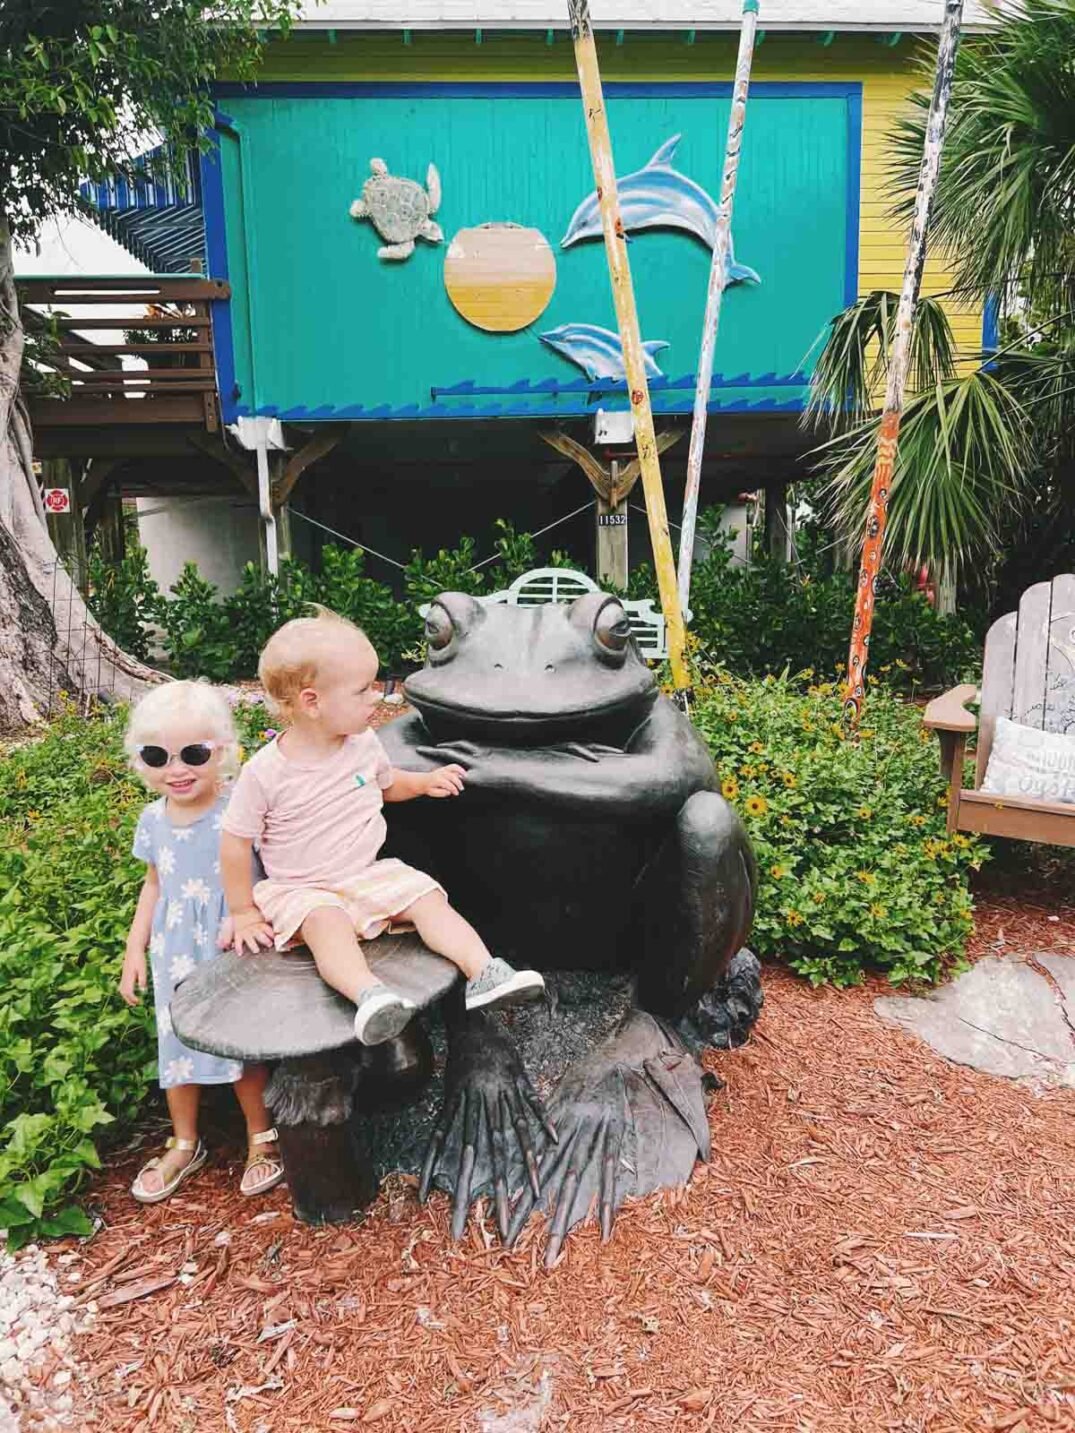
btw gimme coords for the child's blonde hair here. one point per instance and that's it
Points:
(292, 658)
(199, 703)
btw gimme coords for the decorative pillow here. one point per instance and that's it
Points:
(1031, 763)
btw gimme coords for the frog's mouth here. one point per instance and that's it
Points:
(510, 715)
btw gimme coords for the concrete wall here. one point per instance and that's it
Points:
(220, 534)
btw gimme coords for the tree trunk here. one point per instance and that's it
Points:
(49, 642)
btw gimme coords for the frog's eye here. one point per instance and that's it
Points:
(439, 628)
(611, 629)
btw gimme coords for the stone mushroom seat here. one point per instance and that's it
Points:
(274, 1008)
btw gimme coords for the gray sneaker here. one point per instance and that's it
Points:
(499, 985)
(381, 1014)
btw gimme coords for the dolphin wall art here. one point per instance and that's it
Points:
(597, 351)
(659, 197)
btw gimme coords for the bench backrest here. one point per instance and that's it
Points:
(1028, 673)
(564, 584)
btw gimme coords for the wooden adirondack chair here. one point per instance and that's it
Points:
(1028, 675)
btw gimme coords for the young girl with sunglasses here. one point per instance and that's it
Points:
(182, 742)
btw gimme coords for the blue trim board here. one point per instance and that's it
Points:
(854, 192)
(356, 412)
(991, 324)
(217, 247)
(216, 244)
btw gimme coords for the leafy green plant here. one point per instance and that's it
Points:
(74, 1061)
(198, 639)
(856, 869)
(125, 599)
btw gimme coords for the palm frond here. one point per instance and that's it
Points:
(960, 477)
(850, 374)
(1005, 200)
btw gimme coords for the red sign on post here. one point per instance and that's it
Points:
(57, 500)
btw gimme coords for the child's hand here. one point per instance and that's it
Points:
(445, 781)
(133, 977)
(251, 932)
(226, 934)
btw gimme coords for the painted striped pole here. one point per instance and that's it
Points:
(623, 297)
(718, 276)
(899, 363)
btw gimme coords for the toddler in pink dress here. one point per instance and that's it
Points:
(311, 802)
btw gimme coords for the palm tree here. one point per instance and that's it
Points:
(987, 455)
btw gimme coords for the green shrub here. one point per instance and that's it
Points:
(73, 1058)
(856, 870)
(772, 617)
(125, 599)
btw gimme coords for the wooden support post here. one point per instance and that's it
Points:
(612, 557)
(65, 529)
(278, 463)
(613, 487)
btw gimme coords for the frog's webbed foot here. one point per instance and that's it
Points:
(482, 1141)
(631, 1118)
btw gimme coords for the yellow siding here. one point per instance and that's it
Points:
(888, 75)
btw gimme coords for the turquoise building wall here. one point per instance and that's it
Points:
(319, 327)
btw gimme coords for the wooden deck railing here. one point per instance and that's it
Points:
(172, 333)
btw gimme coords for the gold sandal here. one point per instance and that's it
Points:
(155, 1196)
(272, 1162)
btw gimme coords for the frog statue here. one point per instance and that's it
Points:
(591, 837)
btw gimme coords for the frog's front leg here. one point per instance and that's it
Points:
(483, 1141)
(694, 903)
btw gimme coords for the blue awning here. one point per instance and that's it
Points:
(159, 218)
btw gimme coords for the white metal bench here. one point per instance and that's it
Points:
(564, 584)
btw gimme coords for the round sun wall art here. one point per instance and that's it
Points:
(500, 277)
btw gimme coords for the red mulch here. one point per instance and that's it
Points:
(881, 1241)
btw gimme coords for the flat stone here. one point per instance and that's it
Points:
(273, 1006)
(1002, 1017)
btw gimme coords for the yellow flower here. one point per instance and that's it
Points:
(864, 813)
(756, 747)
(867, 734)
(748, 771)
(961, 841)
(837, 730)
(794, 918)
(242, 753)
(871, 681)
(818, 898)
(808, 725)
(729, 788)
(924, 735)
(866, 877)
(840, 667)
(757, 806)
(33, 815)
(942, 801)
(789, 780)
(777, 872)
(732, 715)
(917, 819)
(878, 912)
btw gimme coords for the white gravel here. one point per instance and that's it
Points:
(37, 1323)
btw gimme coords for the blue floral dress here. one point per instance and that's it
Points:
(186, 921)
